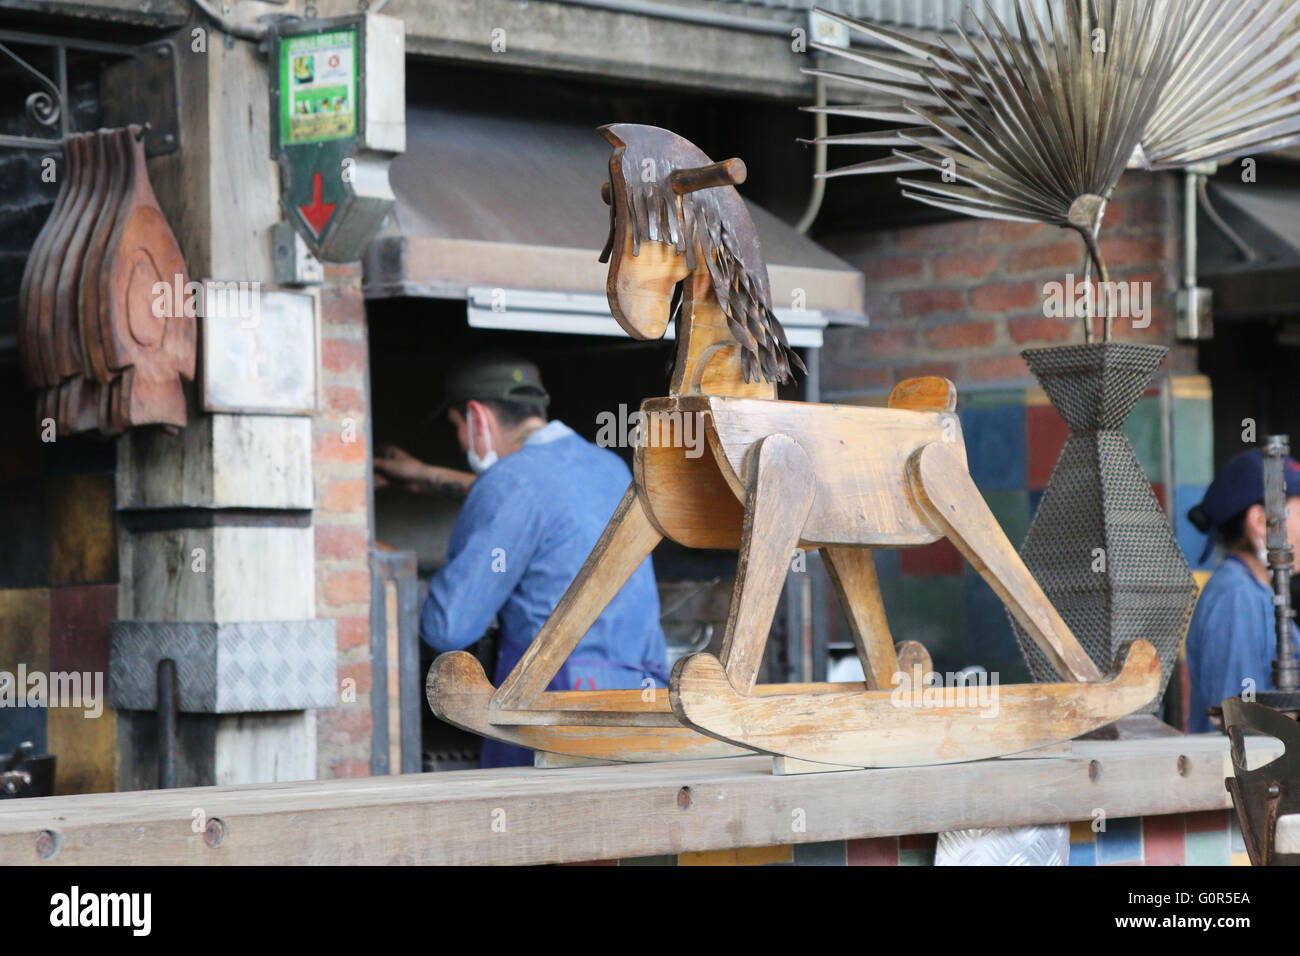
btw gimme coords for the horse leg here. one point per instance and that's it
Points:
(947, 496)
(779, 494)
(853, 572)
(626, 541)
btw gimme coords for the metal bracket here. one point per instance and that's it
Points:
(144, 89)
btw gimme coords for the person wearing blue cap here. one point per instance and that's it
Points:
(1232, 639)
(538, 500)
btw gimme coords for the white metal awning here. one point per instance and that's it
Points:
(488, 202)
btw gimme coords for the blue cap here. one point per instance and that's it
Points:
(1238, 485)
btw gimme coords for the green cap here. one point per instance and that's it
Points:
(496, 375)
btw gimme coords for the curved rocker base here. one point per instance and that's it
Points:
(459, 692)
(907, 727)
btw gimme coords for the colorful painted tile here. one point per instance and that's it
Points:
(745, 856)
(1145, 430)
(991, 398)
(80, 621)
(918, 841)
(1239, 859)
(1208, 849)
(929, 610)
(939, 558)
(1235, 841)
(83, 543)
(831, 853)
(26, 562)
(1192, 430)
(1081, 831)
(1121, 841)
(882, 851)
(1083, 854)
(86, 747)
(1046, 433)
(990, 640)
(888, 562)
(1162, 840)
(1206, 821)
(25, 629)
(25, 723)
(1035, 496)
(995, 446)
(1011, 508)
(916, 857)
(669, 860)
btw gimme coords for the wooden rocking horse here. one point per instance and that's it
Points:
(775, 475)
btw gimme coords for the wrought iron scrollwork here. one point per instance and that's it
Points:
(45, 106)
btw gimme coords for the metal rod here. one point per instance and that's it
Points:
(1280, 558)
(167, 717)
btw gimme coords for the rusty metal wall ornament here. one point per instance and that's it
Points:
(695, 222)
(1041, 131)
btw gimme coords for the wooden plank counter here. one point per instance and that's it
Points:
(527, 816)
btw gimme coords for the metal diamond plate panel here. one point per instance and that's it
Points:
(226, 668)
(1005, 846)
(1100, 545)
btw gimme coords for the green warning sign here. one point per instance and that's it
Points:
(318, 87)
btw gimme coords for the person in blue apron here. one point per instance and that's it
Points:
(539, 499)
(1232, 639)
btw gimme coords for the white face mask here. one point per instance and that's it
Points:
(480, 463)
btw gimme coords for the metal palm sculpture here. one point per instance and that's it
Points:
(1041, 129)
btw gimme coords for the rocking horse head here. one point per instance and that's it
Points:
(678, 215)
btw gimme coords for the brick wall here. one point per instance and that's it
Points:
(343, 519)
(962, 298)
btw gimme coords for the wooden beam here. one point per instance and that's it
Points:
(528, 816)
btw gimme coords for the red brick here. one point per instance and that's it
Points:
(352, 632)
(336, 272)
(343, 355)
(1124, 252)
(342, 542)
(1062, 254)
(330, 446)
(349, 767)
(997, 230)
(991, 369)
(928, 301)
(341, 302)
(1005, 297)
(341, 398)
(1037, 328)
(880, 340)
(343, 495)
(849, 378)
(346, 724)
(961, 335)
(944, 235)
(972, 265)
(945, 369)
(895, 267)
(363, 674)
(347, 587)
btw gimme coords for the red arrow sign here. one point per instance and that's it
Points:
(318, 213)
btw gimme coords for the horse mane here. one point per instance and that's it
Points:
(734, 263)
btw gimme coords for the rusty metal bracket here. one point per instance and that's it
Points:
(1266, 793)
